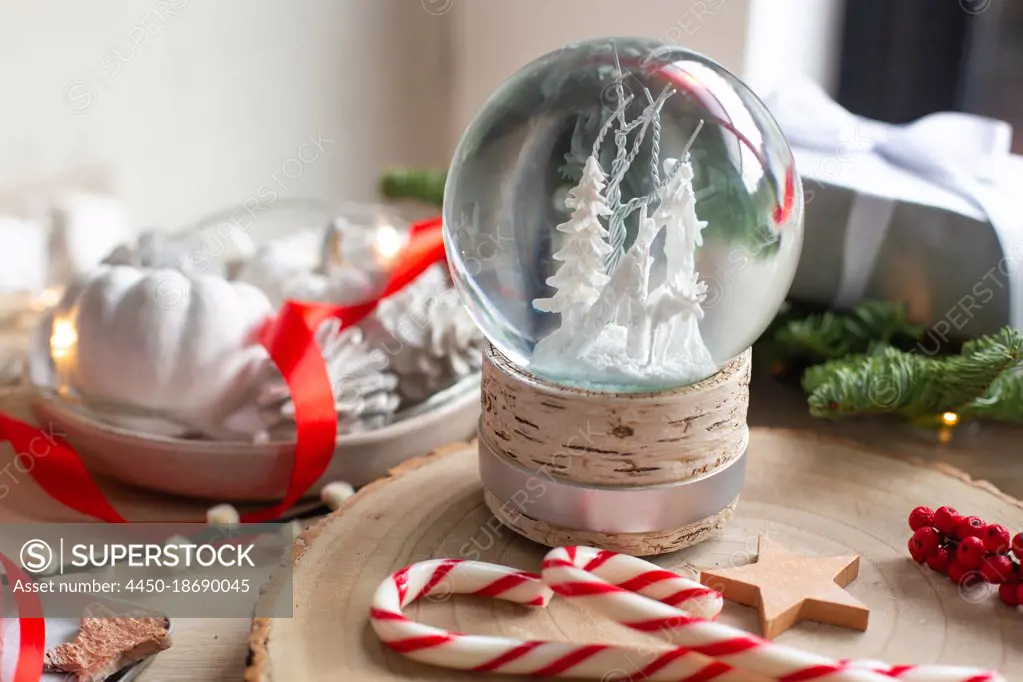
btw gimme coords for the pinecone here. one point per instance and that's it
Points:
(364, 387)
(428, 336)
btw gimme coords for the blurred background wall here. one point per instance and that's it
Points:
(182, 107)
(762, 41)
(500, 36)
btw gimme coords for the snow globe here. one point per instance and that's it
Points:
(623, 219)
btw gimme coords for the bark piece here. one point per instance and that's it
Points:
(105, 645)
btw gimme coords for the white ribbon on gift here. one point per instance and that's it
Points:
(961, 153)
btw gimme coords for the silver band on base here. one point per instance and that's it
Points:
(603, 509)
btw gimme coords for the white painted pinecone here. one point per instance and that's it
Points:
(428, 336)
(364, 387)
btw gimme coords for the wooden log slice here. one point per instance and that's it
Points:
(812, 495)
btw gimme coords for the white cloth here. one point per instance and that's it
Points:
(952, 161)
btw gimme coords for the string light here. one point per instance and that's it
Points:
(62, 339)
(63, 342)
(47, 298)
(950, 419)
(387, 243)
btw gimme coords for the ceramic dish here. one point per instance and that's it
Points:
(239, 471)
(246, 472)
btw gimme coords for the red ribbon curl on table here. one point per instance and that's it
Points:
(289, 338)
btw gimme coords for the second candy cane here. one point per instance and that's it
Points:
(569, 572)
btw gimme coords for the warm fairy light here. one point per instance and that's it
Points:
(386, 243)
(45, 299)
(950, 419)
(62, 339)
(48, 297)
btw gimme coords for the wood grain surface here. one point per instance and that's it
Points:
(814, 495)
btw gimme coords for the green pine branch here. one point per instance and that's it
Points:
(981, 381)
(1003, 401)
(864, 362)
(420, 184)
(827, 336)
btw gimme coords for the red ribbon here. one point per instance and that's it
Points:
(31, 627)
(290, 341)
(289, 338)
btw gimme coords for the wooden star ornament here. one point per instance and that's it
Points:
(788, 588)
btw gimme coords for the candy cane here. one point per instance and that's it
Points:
(478, 653)
(569, 572)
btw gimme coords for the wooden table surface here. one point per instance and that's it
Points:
(215, 649)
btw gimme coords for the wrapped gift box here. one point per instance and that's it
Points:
(921, 213)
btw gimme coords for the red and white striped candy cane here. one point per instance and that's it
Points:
(569, 572)
(479, 653)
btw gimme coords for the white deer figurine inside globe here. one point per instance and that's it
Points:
(628, 329)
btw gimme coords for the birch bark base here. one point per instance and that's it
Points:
(613, 440)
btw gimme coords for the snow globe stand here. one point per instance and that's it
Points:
(639, 473)
(616, 387)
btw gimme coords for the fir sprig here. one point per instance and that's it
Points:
(868, 361)
(832, 336)
(968, 376)
(1003, 401)
(892, 381)
(421, 184)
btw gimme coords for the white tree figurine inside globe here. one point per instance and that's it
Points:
(623, 215)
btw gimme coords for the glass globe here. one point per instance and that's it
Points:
(623, 215)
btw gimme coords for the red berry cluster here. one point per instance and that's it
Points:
(967, 550)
